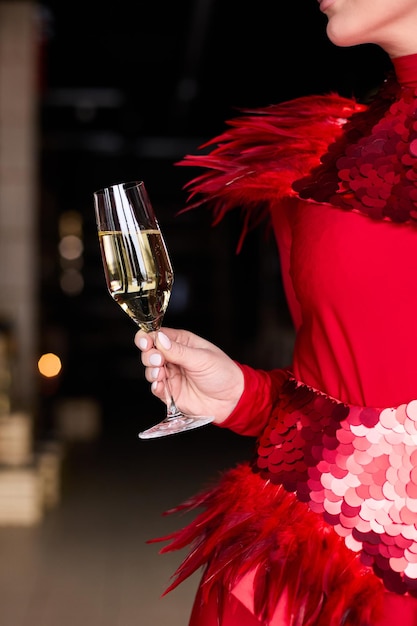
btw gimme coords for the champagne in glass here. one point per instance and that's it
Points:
(139, 275)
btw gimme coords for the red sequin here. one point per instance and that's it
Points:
(376, 173)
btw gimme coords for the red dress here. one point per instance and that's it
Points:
(320, 528)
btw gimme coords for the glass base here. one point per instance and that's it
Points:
(177, 423)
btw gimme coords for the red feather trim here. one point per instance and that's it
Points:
(253, 163)
(249, 523)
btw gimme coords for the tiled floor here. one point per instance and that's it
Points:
(87, 563)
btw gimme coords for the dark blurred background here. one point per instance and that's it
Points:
(127, 89)
(93, 94)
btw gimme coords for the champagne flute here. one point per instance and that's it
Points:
(139, 276)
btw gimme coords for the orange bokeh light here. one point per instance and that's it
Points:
(49, 365)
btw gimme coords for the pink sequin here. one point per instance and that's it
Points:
(361, 476)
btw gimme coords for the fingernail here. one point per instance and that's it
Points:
(143, 343)
(155, 359)
(155, 372)
(165, 341)
(154, 385)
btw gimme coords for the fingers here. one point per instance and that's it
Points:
(170, 346)
(179, 347)
(152, 360)
(150, 356)
(152, 349)
(143, 341)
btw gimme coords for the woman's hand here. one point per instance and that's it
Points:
(203, 379)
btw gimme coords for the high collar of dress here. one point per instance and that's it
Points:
(406, 70)
(372, 166)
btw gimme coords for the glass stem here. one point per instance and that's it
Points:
(172, 410)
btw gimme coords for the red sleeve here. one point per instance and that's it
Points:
(260, 394)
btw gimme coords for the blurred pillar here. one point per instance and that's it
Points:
(19, 42)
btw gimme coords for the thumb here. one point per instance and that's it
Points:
(172, 350)
(186, 350)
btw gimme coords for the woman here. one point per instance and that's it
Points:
(321, 527)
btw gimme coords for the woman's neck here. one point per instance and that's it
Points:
(406, 69)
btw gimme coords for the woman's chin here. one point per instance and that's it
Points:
(341, 37)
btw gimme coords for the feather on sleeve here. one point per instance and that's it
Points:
(254, 162)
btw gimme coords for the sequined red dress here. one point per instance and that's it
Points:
(320, 527)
